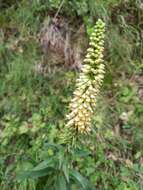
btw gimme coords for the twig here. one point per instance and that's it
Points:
(59, 9)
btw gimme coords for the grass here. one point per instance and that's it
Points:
(32, 105)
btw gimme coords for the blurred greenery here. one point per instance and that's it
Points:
(33, 105)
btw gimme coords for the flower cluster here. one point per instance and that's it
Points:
(88, 84)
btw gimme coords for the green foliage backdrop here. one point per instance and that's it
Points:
(33, 105)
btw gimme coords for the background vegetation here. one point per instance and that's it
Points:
(33, 104)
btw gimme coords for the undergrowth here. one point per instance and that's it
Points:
(33, 105)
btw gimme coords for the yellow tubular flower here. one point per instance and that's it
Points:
(88, 84)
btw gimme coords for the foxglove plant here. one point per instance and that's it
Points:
(88, 85)
(59, 168)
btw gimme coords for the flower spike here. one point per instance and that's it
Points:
(88, 84)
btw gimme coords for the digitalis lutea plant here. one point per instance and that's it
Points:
(61, 164)
(88, 84)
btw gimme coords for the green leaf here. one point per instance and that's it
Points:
(53, 146)
(66, 171)
(83, 182)
(44, 164)
(61, 183)
(43, 169)
(35, 174)
(82, 153)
